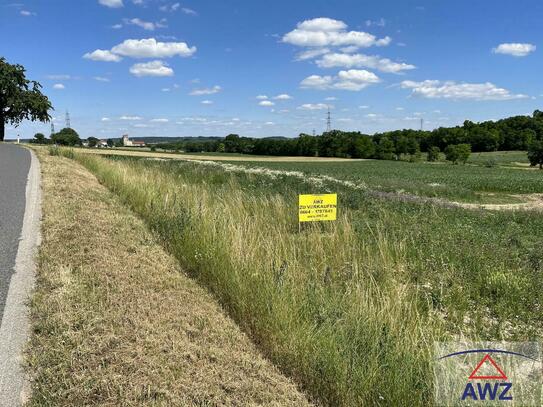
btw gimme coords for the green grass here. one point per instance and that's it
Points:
(504, 158)
(350, 309)
(464, 183)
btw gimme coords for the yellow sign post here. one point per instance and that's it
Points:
(313, 208)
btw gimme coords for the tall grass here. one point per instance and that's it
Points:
(333, 312)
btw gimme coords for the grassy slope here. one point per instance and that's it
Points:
(116, 322)
(351, 312)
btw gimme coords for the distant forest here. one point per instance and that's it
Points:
(514, 133)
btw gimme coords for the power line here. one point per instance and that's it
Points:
(68, 124)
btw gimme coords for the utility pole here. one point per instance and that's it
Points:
(328, 121)
(313, 132)
(68, 124)
(52, 128)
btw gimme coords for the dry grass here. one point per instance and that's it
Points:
(133, 153)
(116, 322)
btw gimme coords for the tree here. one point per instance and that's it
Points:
(433, 154)
(385, 149)
(20, 98)
(39, 138)
(66, 137)
(535, 153)
(93, 141)
(110, 142)
(458, 153)
(221, 148)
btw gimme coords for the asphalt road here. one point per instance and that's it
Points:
(14, 167)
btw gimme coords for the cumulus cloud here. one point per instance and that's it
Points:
(58, 86)
(353, 80)
(262, 97)
(324, 32)
(111, 3)
(434, 89)
(283, 96)
(266, 103)
(312, 53)
(153, 68)
(336, 60)
(206, 91)
(102, 55)
(151, 48)
(514, 49)
(314, 106)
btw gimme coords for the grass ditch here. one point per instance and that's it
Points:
(116, 322)
(351, 309)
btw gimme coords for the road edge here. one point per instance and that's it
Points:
(15, 324)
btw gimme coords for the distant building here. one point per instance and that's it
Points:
(129, 143)
(101, 143)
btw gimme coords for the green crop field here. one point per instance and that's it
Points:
(463, 183)
(350, 309)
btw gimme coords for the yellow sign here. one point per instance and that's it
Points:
(312, 208)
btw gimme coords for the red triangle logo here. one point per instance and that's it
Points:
(499, 376)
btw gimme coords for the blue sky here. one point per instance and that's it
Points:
(210, 68)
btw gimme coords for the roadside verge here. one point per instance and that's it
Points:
(117, 322)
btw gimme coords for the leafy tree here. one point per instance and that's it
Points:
(39, 138)
(385, 149)
(363, 147)
(110, 142)
(458, 153)
(20, 98)
(535, 153)
(221, 148)
(433, 154)
(93, 141)
(66, 137)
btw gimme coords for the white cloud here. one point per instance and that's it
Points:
(130, 118)
(283, 96)
(266, 103)
(364, 107)
(146, 25)
(206, 91)
(106, 119)
(379, 23)
(102, 55)
(26, 13)
(159, 120)
(151, 48)
(514, 49)
(353, 80)
(323, 32)
(399, 109)
(58, 86)
(206, 102)
(101, 79)
(111, 3)
(434, 89)
(269, 123)
(165, 89)
(335, 60)
(117, 26)
(153, 68)
(312, 53)
(331, 98)
(189, 11)
(262, 97)
(314, 106)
